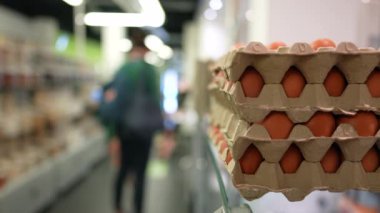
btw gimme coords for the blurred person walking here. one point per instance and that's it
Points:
(132, 111)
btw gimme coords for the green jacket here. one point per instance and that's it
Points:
(125, 84)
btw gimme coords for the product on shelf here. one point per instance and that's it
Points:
(335, 82)
(321, 43)
(277, 44)
(373, 83)
(42, 102)
(371, 160)
(293, 83)
(322, 124)
(251, 82)
(332, 160)
(309, 111)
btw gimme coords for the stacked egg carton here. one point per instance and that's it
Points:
(296, 143)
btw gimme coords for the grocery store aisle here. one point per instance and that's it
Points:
(165, 191)
(92, 195)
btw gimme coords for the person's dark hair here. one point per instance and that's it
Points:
(137, 36)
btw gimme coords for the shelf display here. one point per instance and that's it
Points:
(43, 103)
(297, 119)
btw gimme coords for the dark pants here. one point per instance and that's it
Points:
(135, 149)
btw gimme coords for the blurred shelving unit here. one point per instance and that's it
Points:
(38, 187)
(49, 138)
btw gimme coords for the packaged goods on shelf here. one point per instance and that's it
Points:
(43, 99)
(284, 127)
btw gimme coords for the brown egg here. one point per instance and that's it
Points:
(3, 181)
(291, 160)
(373, 83)
(238, 46)
(293, 82)
(251, 82)
(221, 74)
(322, 124)
(228, 157)
(371, 160)
(278, 125)
(324, 42)
(335, 82)
(365, 123)
(219, 138)
(214, 131)
(251, 160)
(223, 146)
(332, 159)
(277, 44)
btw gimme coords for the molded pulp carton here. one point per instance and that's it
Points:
(236, 119)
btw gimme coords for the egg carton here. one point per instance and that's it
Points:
(310, 176)
(355, 64)
(253, 110)
(314, 98)
(241, 134)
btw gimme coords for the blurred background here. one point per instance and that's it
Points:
(55, 56)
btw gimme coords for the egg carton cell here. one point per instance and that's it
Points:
(335, 83)
(332, 159)
(291, 160)
(293, 83)
(373, 83)
(356, 64)
(251, 160)
(371, 160)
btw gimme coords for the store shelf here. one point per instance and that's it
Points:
(37, 188)
(218, 167)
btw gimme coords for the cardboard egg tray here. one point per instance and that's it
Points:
(354, 63)
(237, 135)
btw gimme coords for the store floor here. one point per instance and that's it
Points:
(94, 193)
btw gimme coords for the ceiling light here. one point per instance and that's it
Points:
(114, 19)
(165, 52)
(74, 3)
(216, 4)
(154, 43)
(151, 15)
(210, 14)
(366, 1)
(125, 45)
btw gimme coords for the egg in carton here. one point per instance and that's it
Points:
(317, 72)
(315, 170)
